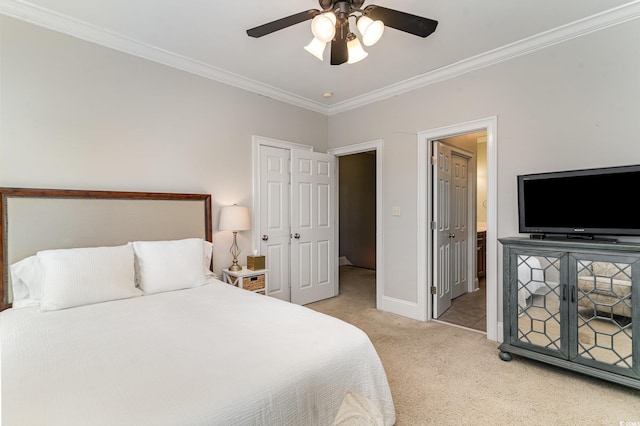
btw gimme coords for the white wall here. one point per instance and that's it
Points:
(77, 115)
(572, 105)
(80, 116)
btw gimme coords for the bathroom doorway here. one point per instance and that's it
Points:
(468, 306)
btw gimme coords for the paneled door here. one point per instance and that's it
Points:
(441, 178)
(459, 224)
(275, 234)
(450, 233)
(313, 256)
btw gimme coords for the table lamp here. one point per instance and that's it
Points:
(235, 218)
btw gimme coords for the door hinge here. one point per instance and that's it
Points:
(434, 225)
(434, 290)
(434, 160)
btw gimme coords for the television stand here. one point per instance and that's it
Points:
(573, 304)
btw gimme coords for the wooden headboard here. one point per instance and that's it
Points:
(41, 219)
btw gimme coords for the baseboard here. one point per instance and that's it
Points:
(399, 307)
(410, 310)
(500, 336)
(342, 260)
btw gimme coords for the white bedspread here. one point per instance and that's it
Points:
(212, 355)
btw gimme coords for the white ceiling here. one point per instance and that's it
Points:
(209, 38)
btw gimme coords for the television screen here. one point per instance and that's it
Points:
(585, 202)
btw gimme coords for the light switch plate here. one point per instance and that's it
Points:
(395, 211)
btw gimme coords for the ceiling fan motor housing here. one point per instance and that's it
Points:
(331, 4)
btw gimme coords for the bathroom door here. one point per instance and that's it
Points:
(450, 177)
(441, 234)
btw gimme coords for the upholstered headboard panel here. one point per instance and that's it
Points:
(40, 219)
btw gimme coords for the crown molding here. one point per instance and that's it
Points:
(48, 19)
(597, 22)
(64, 24)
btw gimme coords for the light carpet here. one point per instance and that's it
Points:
(445, 375)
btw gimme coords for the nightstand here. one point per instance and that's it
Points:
(255, 281)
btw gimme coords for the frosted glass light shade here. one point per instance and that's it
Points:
(370, 30)
(323, 26)
(356, 52)
(316, 48)
(234, 218)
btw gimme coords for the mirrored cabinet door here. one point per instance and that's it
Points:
(539, 296)
(604, 312)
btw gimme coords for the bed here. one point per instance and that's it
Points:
(162, 349)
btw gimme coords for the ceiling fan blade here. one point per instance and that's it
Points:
(402, 21)
(339, 51)
(282, 23)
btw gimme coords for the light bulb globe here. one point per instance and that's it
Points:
(356, 52)
(323, 26)
(316, 48)
(370, 30)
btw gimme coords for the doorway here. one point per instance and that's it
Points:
(294, 219)
(466, 304)
(357, 206)
(357, 242)
(425, 249)
(452, 193)
(373, 150)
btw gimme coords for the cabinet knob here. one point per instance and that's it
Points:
(452, 235)
(265, 237)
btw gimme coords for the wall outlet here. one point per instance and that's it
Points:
(395, 211)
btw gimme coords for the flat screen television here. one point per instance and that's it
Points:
(580, 203)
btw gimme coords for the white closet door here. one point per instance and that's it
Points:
(274, 218)
(313, 245)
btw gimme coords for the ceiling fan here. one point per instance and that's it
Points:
(331, 24)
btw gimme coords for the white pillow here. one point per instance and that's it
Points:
(26, 282)
(169, 265)
(81, 276)
(208, 253)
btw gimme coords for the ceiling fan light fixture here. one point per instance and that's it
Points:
(330, 24)
(370, 30)
(323, 26)
(356, 52)
(316, 48)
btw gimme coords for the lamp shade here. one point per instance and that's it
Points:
(370, 30)
(234, 218)
(323, 26)
(316, 48)
(356, 52)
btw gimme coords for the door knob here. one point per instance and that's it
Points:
(265, 237)
(452, 235)
(296, 236)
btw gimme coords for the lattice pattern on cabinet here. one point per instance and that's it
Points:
(604, 313)
(539, 301)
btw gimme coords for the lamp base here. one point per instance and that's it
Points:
(235, 252)
(235, 266)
